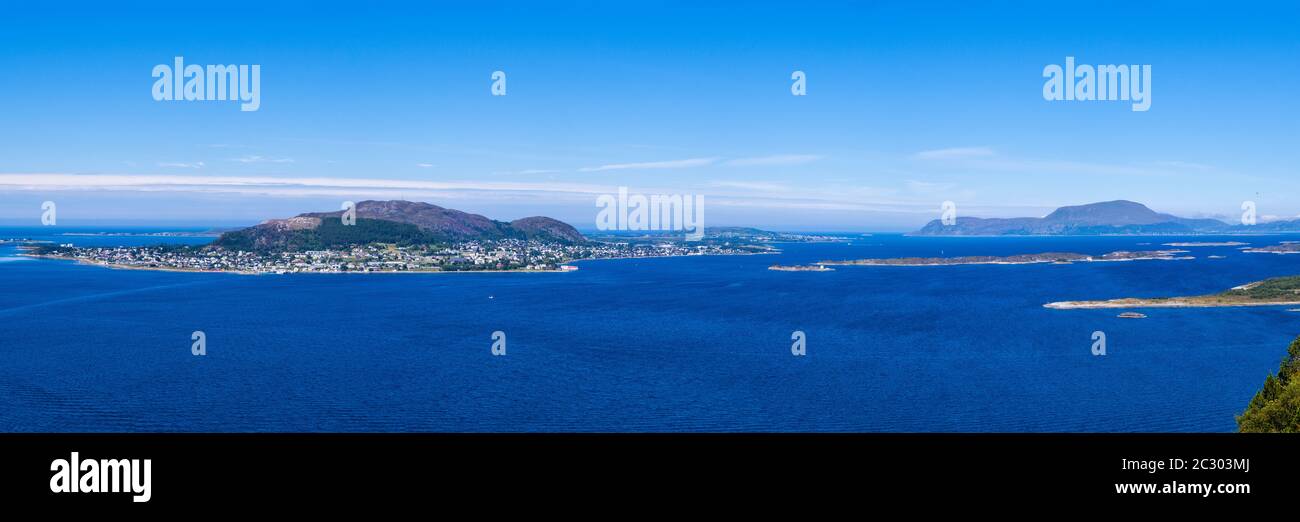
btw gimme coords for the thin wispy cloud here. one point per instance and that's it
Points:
(989, 160)
(752, 185)
(654, 165)
(929, 187)
(525, 172)
(261, 159)
(424, 165)
(780, 159)
(181, 165)
(729, 193)
(807, 204)
(1182, 165)
(1035, 166)
(956, 153)
(279, 186)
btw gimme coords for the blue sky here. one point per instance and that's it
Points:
(909, 104)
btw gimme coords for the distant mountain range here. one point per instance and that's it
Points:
(1108, 218)
(400, 222)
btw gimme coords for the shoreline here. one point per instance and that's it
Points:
(1040, 236)
(1138, 303)
(675, 255)
(112, 266)
(1042, 262)
(1194, 244)
(1276, 291)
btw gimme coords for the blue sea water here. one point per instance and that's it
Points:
(670, 344)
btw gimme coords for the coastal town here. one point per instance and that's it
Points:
(499, 255)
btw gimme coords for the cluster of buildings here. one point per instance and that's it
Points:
(510, 254)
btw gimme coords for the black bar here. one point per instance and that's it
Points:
(396, 469)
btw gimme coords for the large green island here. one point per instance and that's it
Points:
(1269, 292)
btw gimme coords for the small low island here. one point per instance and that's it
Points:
(1284, 248)
(800, 268)
(1279, 291)
(1208, 244)
(1020, 259)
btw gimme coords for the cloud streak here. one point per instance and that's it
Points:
(777, 160)
(956, 153)
(270, 186)
(261, 159)
(722, 193)
(654, 165)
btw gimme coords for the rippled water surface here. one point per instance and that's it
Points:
(698, 343)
